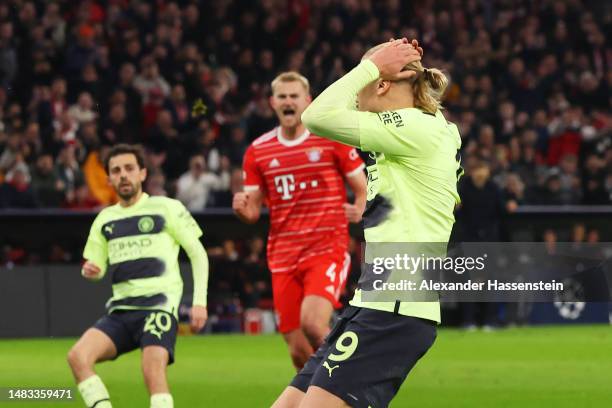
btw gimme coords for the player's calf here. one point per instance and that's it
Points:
(315, 316)
(299, 348)
(92, 347)
(154, 363)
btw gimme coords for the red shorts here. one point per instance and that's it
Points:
(322, 276)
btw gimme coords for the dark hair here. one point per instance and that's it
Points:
(124, 148)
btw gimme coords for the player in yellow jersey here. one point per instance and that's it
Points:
(137, 242)
(411, 198)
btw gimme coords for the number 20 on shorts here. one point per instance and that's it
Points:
(158, 323)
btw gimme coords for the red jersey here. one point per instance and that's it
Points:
(302, 181)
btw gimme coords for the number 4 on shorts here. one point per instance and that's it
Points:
(331, 272)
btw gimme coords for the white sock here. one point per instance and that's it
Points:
(162, 401)
(94, 393)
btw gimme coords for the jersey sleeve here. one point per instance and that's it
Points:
(348, 159)
(406, 132)
(186, 231)
(252, 177)
(96, 246)
(332, 115)
(182, 226)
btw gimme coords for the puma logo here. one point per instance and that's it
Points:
(330, 369)
(109, 229)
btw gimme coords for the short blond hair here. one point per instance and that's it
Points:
(291, 76)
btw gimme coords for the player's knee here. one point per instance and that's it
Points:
(153, 364)
(77, 358)
(314, 330)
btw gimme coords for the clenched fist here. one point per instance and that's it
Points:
(240, 203)
(198, 317)
(91, 271)
(352, 212)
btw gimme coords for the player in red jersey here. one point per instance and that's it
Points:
(301, 177)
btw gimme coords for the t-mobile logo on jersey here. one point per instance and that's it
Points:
(285, 185)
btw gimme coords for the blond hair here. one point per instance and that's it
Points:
(428, 85)
(291, 76)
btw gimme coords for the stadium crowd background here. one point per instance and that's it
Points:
(531, 92)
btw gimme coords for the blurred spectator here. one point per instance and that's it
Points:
(117, 128)
(16, 191)
(482, 206)
(79, 54)
(11, 153)
(155, 183)
(533, 101)
(133, 99)
(46, 184)
(178, 108)
(570, 179)
(550, 193)
(223, 198)
(594, 179)
(69, 172)
(237, 145)
(82, 111)
(194, 187)
(81, 199)
(149, 82)
(514, 192)
(9, 64)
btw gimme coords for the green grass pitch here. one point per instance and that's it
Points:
(568, 366)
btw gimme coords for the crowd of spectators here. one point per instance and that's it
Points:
(531, 89)
(531, 92)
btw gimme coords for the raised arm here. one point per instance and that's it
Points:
(333, 113)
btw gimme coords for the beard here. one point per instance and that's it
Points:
(125, 193)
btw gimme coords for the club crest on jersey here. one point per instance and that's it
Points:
(314, 154)
(146, 224)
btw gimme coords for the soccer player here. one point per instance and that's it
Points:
(411, 197)
(301, 177)
(137, 241)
